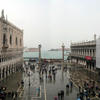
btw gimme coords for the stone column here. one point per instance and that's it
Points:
(1, 59)
(87, 65)
(39, 47)
(77, 52)
(94, 53)
(5, 73)
(14, 68)
(8, 70)
(91, 52)
(90, 66)
(88, 52)
(82, 52)
(63, 47)
(85, 52)
(1, 73)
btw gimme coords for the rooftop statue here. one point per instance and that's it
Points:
(2, 14)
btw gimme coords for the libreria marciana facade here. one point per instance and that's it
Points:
(84, 54)
(11, 47)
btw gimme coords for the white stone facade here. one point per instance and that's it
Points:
(84, 54)
(11, 47)
(98, 53)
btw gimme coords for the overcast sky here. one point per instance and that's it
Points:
(53, 22)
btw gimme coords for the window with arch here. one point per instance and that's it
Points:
(4, 39)
(10, 40)
(16, 41)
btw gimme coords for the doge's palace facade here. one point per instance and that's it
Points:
(11, 47)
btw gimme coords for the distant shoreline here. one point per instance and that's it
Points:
(31, 51)
(58, 50)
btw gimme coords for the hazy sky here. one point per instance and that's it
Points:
(53, 22)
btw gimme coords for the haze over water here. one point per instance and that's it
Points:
(46, 54)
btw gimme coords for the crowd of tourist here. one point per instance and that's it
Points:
(10, 94)
(89, 91)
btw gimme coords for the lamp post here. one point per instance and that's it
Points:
(29, 79)
(29, 76)
(63, 47)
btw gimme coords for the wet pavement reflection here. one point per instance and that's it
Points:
(11, 84)
(51, 83)
(59, 84)
(45, 85)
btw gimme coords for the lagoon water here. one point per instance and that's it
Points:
(46, 54)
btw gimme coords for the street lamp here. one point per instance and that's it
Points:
(29, 75)
(29, 78)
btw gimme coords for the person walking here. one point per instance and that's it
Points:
(55, 98)
(59, 95)
(71, 84)
(88, 98)
(79, 89)
(62, 94)
(78, 98)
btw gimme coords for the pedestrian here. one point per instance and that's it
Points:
(46, 76)
(71, 84)
(18, 84)
(88, 98)
(78, 98)
(59, 95)
(9, 94)
(67, 86)
(79, 89)
(99, 95)
(86, 94)
(50, 77)
(62, 94)
(93, 93)
(55, 98)
(12, 94)
(16, 94)
(97, 87)
(81, 95)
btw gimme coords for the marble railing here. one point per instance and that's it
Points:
(9, 62)
(84, 43)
